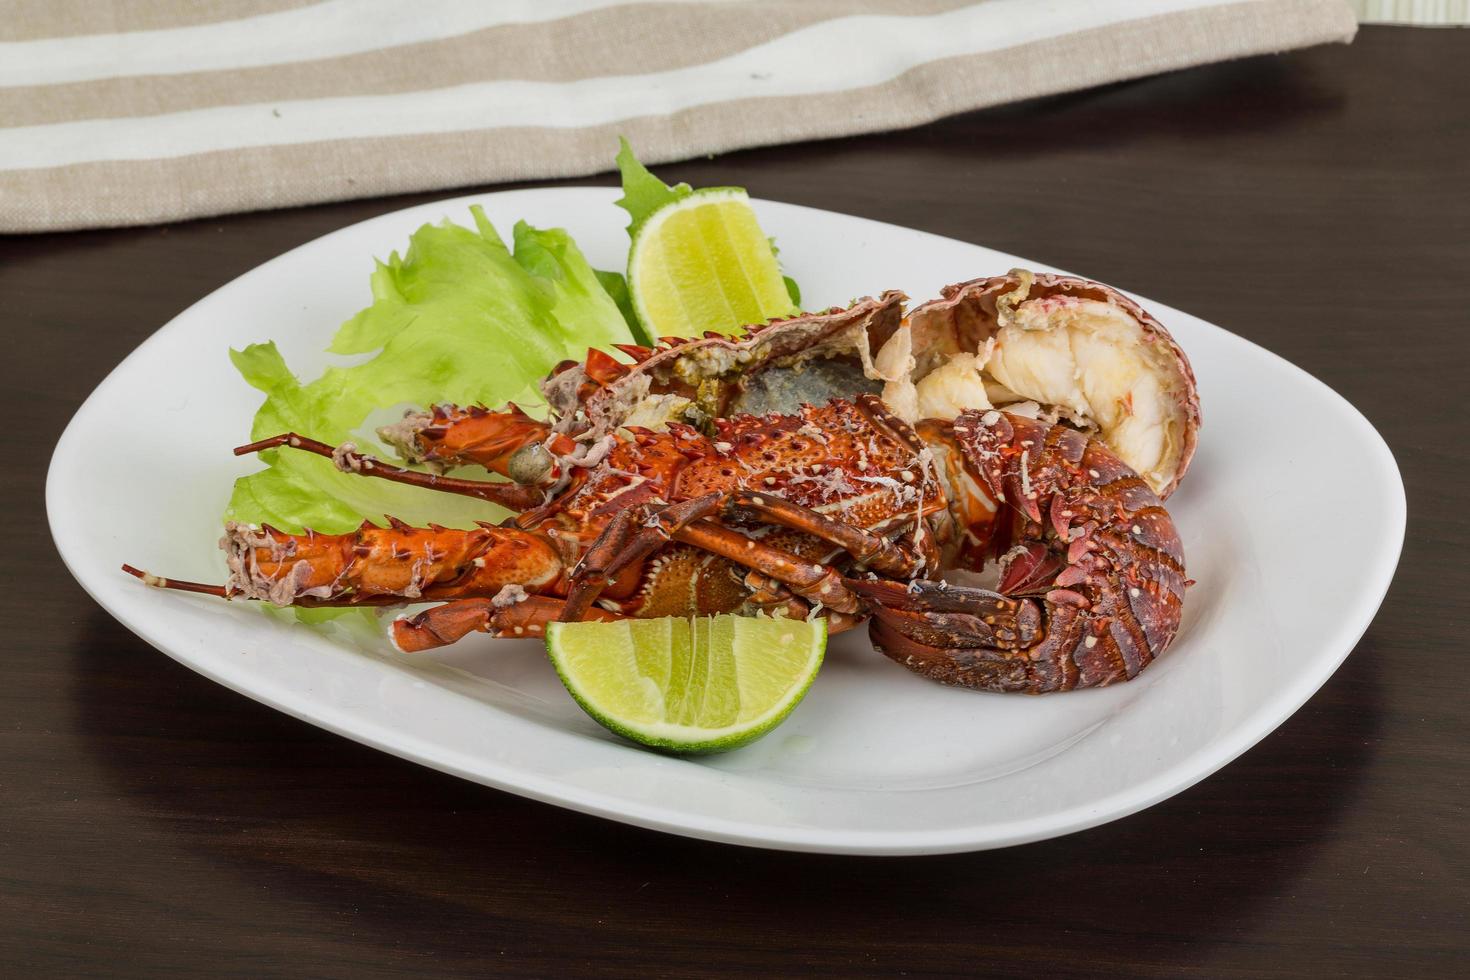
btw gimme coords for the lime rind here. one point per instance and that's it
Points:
(701, 262)
(766, 688)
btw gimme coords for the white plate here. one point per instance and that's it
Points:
(1292, 517)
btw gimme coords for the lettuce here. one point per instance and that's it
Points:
(616, 285)
(458, 318)
(643, 193)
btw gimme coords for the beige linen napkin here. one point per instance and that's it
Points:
(183, 110)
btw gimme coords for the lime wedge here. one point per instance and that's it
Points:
(702, 263)
(700, 685)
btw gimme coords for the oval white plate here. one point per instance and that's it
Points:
(1292, 557)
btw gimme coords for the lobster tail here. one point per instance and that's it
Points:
(1091, 591)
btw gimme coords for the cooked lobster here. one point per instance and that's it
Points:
(764, 473)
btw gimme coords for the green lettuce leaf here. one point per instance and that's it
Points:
(792, 290)
(616, 285)
(458, 318)
(643, 193)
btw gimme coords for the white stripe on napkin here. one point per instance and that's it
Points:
(849, 52)
(323, 30)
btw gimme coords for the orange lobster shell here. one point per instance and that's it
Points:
(761, 473)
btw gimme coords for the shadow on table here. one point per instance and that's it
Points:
(390, 859)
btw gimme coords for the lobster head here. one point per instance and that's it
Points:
(775, 368)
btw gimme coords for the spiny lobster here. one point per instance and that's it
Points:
(764, 474)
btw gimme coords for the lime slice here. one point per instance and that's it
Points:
(700, 685)
(702, 263)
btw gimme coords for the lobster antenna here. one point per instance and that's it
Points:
(159, 582)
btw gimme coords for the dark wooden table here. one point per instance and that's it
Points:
(152, 823)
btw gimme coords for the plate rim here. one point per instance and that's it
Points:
(1209, 758)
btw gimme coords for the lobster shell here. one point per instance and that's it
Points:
(966, 316)
(590, 411)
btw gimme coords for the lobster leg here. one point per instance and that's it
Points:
(813, 582)
(513, 496)
(624, 542)
(618, 546)
(631, 537)
(870, 550)
(443, 625)
(771, 597)
(354, 599)
(508, 442)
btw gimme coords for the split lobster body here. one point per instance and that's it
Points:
(853, 461)
(747, 475)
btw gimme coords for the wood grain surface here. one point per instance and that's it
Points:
(155, 824)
